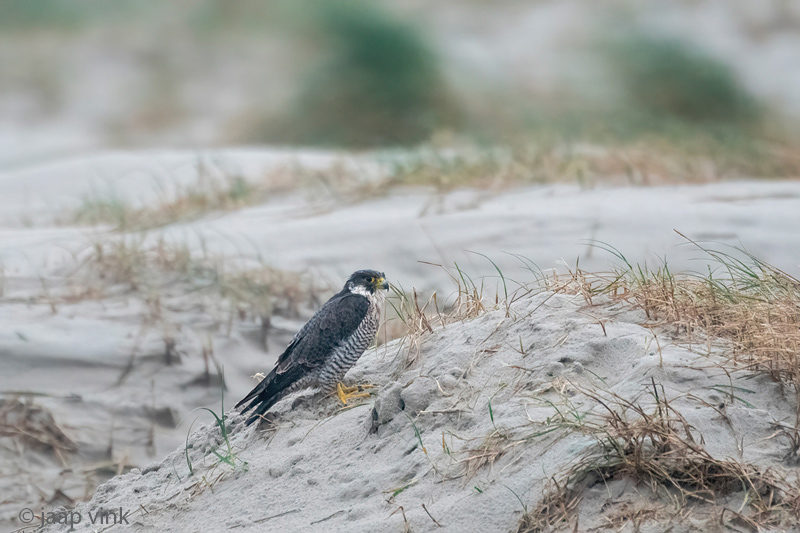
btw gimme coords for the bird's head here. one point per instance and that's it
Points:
(367, 281)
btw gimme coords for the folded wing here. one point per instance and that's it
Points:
(310, 349)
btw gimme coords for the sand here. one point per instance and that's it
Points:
(451, 444)
(89, 352)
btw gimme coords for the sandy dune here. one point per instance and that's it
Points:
(461, 441)
(117, 376)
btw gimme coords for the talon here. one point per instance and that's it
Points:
(346, 394)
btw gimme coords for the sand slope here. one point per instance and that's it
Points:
(428, 437)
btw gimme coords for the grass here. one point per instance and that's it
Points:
(645, 159)
(157, 267)
(490, 449)
(215, 190)
(33, 425)
(409, 320)
(47, 13)
(741, 298)
(210, 192)
(228, 456)
(657, 448)
(173, 285)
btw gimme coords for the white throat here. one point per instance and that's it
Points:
(377, 296)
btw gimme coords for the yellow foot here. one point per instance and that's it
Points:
(346, 394)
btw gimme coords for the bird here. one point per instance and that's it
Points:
(326, 347)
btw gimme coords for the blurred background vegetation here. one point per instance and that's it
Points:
(358, 74)
(378, 83)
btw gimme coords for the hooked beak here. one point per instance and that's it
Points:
(381, 283)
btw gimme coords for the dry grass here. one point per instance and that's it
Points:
(522, 162)
(217, 190)
(32, 425)
(649, 162)
(211, 191)
(751, 304)
(656, 446)
(163, 268)
(177, 289)
(490, 449)
(409, 320)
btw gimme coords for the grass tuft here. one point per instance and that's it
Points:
(741, 298)
(159, 268)
(228, 455)
(643, 159)
(33, 425)
(656, 447)
(211, 191)
(417, 319)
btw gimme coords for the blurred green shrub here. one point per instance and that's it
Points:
(668, 77)
(379, 84)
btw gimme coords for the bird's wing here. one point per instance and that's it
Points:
(332, 324)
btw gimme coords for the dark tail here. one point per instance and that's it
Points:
(266, 394)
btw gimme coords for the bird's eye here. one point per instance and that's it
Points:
(370, 279)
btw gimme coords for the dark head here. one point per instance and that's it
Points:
(367, 280)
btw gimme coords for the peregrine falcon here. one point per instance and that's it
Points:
(322, 352)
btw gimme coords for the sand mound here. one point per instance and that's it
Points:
(496, 414)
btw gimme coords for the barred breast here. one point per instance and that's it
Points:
(349, 351)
